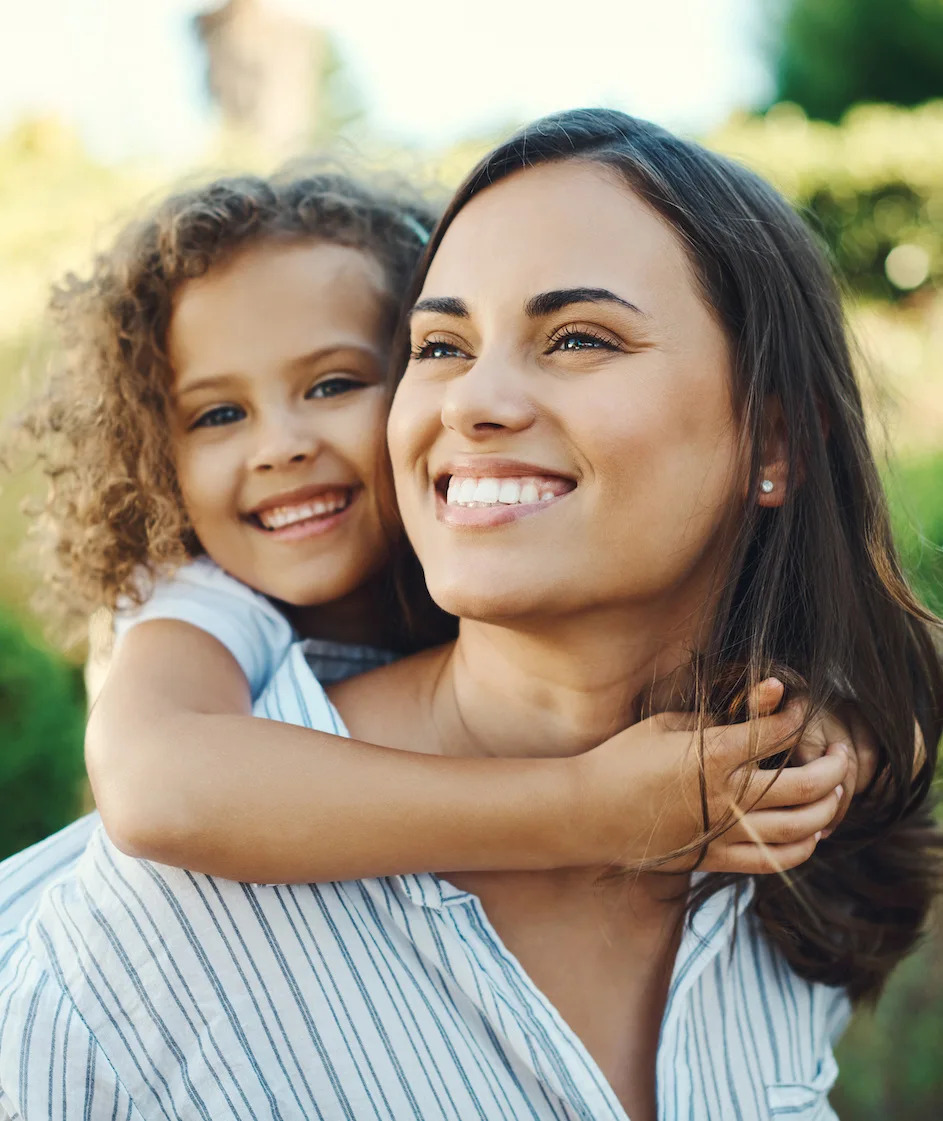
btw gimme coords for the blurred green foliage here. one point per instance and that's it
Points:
(42, 720)
(891, 1060)
(915, 489)
(828, 55)
(867, 185)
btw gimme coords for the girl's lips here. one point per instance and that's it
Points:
(314, 526)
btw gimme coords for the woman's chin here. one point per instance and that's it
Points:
(488, 601)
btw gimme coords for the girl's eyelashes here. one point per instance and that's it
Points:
(218, 416)
(334, 386)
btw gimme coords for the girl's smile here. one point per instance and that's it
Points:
(279, 406)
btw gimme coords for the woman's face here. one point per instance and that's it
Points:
(564, 437)
(278, 411)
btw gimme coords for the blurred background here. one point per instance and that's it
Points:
(106, 103)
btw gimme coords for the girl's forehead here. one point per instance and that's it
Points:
(278, 301)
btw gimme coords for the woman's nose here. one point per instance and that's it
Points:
(489, 396)
(282, 441)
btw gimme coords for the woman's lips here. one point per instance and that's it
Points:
(473, 500)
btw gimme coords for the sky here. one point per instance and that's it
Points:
(128, 73)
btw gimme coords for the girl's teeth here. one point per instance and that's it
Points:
(281, 516)
(506, 492)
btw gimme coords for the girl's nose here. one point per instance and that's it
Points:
(283, 441)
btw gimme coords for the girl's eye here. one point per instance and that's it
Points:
(334, 387)
(580, 340)
(436, 349)
(222, 414)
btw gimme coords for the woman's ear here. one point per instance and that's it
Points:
(774, 459)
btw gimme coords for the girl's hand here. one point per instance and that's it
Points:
(641, 795)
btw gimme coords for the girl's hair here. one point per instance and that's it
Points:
(813, 590)
(113, 511)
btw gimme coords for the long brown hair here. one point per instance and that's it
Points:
(814, 587)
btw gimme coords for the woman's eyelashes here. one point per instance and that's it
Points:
(436, 348)
(564, 340)
(577, 339)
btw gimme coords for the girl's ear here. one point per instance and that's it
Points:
(774, 458)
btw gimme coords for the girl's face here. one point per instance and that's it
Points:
(279, 404)
(564, 436)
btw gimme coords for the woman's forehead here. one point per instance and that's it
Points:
(555, 226)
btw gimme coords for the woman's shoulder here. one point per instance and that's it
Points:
(387, 705)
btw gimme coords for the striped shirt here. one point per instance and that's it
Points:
(134, 990)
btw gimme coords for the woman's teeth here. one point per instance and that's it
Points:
(280, 516)
(464, 491)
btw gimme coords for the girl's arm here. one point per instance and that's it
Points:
(183, 774)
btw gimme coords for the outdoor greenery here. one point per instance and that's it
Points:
(868, 185)
(42, 714)
(828, 55)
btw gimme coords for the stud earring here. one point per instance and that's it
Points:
(767, 486)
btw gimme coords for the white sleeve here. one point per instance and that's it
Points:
(251, 628)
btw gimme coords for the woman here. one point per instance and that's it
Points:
(645, 333)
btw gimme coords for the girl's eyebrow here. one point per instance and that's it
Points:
(214, 381)
(545, 303)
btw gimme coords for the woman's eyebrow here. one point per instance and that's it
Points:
(444, 305)
(546, 303)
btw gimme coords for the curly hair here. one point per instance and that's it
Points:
(113, 510)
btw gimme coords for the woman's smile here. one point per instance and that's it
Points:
(490, 492)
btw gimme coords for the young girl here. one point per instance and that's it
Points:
(215, 444)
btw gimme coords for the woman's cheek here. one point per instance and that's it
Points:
(411, 428)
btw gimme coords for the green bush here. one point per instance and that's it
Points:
(869, 185)
(916, 493)
(890, 1059)
(42, 715)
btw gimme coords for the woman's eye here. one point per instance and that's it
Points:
(334, 387)
(581, 340)
(433, 349)
(222, 414)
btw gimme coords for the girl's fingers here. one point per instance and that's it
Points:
(784, 827)
(738, 745)
(757, 860)
(764, 697)
(797, 786)
(849, 787)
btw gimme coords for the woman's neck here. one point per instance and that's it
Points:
(556, 690)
